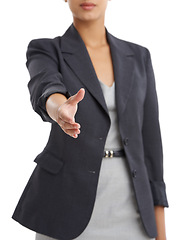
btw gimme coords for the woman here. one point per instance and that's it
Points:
(103, 181)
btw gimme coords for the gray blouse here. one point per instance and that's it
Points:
(113, 142)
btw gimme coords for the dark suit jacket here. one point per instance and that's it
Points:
(59, 197)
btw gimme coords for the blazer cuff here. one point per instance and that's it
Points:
(43, 98)
(159, 193)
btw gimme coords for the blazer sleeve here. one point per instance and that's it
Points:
(46, 78)
(152, 139)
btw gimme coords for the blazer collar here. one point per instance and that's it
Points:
(76, 55)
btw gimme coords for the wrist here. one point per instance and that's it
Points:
(160, 222)
(53, 105)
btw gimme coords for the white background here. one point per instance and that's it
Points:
(155, 24)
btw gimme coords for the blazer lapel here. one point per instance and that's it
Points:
(123, 65)
(76, 55)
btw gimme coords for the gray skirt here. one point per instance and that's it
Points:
(115, 215)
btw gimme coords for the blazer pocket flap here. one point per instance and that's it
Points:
(49, 162)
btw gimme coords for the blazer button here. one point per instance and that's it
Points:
(125, 141)
(134, 173)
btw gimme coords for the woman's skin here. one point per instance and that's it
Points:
(90, 25)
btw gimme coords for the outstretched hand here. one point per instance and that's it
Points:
(66, 114)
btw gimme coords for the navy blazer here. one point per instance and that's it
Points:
(59, 197)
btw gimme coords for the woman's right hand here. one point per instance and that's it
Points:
(65, 114)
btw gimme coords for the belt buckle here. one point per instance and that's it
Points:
(109, 154)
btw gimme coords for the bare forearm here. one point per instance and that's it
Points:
(160, 221)
(53, 103)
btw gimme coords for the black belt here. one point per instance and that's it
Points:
(111, 153)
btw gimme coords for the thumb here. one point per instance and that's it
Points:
(78, 96)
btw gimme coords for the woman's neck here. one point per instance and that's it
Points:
(92, 33)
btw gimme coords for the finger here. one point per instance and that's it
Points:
(78, 96)
(72, 133)
(67, 125)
